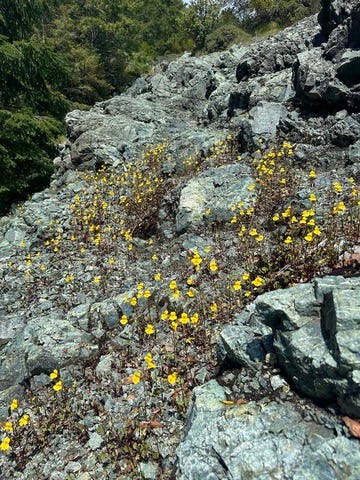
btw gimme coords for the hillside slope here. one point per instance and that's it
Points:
(150, 277)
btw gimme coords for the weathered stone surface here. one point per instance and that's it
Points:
(265, 118)
(279, 54)
(329, 78)
(316, 338)
(339, 23)
(209, 196)
(259, 441)
(246, 342)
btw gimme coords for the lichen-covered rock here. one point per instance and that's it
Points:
(316, 338)
(209, 196)
(259, 441)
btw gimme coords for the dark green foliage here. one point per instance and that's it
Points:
(18, 17)
(27, 146)
(111, 42)
(32, 75)
(224, 36)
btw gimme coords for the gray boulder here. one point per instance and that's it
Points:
(339, 21)
(209, 196)
(316, 338)
(329, 76)
(260, 441)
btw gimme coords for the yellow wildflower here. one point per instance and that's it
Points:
(172, 316)
(258, 282)
(214, 307)
(312, 197)
(340, 207)
(196, 260)
(194, 318)
(8, 427)
(288, 239)
(150, 362)
(237, 285)
(136, 378)
(133, 301)
(309, 237)
(337, 187)
(173, 285)
(14, 404)
(124, 320)
(149, 330)
(54, 374)
(312, 174)
(5, 444)
(286, 213)
(172, 378)
(190, 293)
(213, 266)
(157, 277)
(184, 318)
(96, 280)
(24, 420)
(148, 357)
(276, 217)
(253, 232)
(58, 386)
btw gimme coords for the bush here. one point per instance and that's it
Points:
(27, 146)
(224, 36)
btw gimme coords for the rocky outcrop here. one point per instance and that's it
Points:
(313, 329)
(261, 440)
(301, 85)
(278, 87)
(316, 337)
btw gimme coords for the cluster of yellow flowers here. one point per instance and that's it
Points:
(10, 426)
(245, 283)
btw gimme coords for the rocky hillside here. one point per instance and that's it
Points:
(183, 301)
